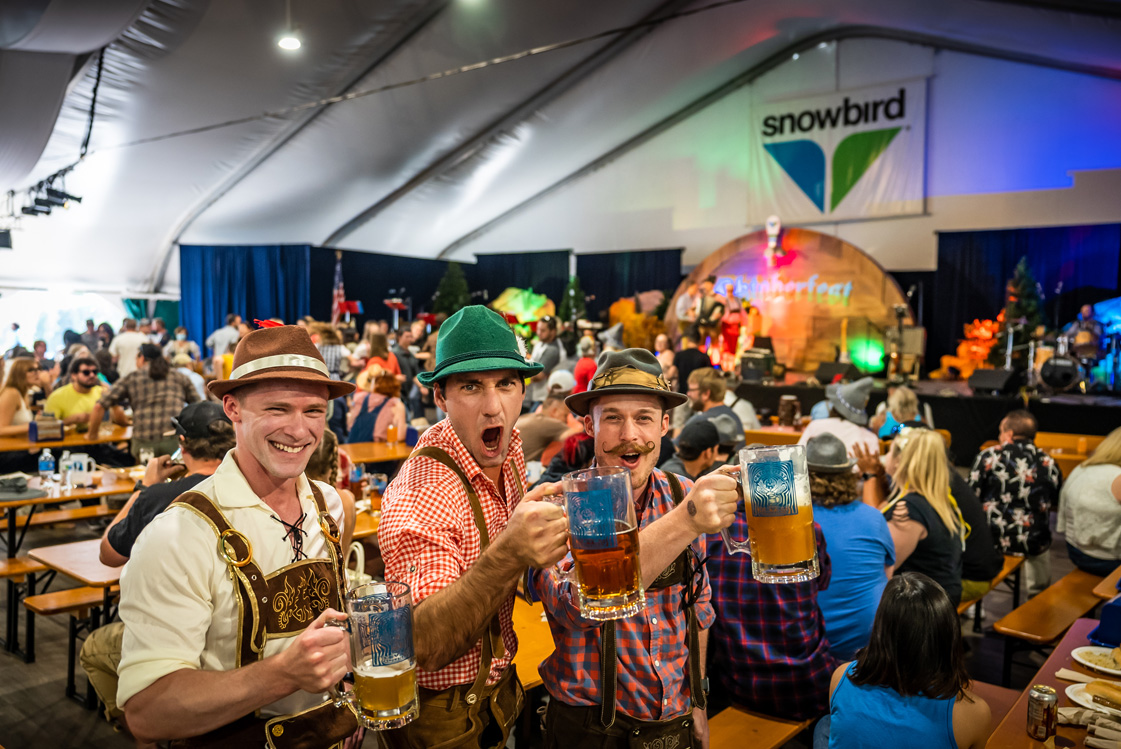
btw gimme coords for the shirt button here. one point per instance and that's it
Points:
(657, 663)
(653, 620)
(412, 568)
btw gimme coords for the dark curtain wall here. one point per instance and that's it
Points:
(368, 278)
(255, 282)
(609, 276)
(974, 266)
(544, 272)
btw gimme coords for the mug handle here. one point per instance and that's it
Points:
(340, 696)
(559, 575)
(733, 546)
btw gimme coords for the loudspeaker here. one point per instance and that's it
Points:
(1000, 381)
(827, 372)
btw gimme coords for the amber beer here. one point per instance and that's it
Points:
(385, 692)
(609, 578)
(780, 525)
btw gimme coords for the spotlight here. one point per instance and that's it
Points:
(31, 210)
(43, 205)
(59, 197)
(290, 40)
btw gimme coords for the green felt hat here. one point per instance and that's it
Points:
(477, 339)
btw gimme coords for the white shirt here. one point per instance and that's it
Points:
(178, 603)
(844, 430)
(743, 409)
(1089, 514)
(685, 306)
(125, 347)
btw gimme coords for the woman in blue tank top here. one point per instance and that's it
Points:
(909, 686)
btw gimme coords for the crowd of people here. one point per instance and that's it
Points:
(902, 538)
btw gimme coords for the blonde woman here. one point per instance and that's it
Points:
(1090, 509)
(15, 413)
(902, 410)
(929, 534)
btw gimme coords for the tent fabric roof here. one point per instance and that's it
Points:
(422, 170)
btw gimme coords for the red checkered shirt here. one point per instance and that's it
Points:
(428, 537)
(653, 652)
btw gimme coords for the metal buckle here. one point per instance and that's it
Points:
(326, 528)
(224, 550)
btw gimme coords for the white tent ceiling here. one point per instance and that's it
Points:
(423, 169)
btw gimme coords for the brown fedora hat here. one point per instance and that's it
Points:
(284, 352)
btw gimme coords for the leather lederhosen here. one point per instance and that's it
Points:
(281, 604)
(678, 574)
(445, 713)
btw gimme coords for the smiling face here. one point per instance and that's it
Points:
(278, 425)
(628, 431)
(482, 408)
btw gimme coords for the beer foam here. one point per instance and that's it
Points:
(384, 672)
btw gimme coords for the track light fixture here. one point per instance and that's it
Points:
(61, 197)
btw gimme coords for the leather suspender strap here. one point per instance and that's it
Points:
(609, 660)
(493, 643)
(332, 535)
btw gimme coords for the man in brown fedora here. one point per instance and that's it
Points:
(456, 528)
(637, 681)
(227, 594)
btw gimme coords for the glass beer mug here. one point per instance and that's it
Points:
(780, 520)
(603, 538)
(380, 621)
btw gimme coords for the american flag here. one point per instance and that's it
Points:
(338, 304)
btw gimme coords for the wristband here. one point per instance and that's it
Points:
(139, 486)
(867, 476)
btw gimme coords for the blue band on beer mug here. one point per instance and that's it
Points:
(771, 485)
(592, 518)
(387, 636)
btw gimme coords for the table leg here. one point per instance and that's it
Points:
(1016, 588)
(29, 623)
(106, 614)
(1006, 669)
(12, 533)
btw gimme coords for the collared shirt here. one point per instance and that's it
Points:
(154, 402)
(1018, 484)
(178, 602)
(768, 648)
(429, 540)
(653, 653)
(223, 340)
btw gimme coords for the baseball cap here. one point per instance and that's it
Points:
(561, 381)
(700, 434)
(194, 421)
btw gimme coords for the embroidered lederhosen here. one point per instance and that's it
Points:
(503, 699)
(679, 573)
(281, 604)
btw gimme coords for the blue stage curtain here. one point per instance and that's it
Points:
(368, 278)
(974, 266)
(254, 281)
(612, 275)
(544, 272)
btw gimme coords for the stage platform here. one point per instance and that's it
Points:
(970, 418)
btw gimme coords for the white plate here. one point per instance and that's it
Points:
(1079, 654)
(1077, 694)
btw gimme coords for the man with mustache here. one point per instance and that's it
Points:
(456, 528)
(227, 594)
(650, 687)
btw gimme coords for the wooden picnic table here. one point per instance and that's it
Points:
(1011, 733)
(773, 435)
(535, 641)
(80, 560)
(1066, 460)
(365, 525)
(71, 438)
(1107, 588)
(376, 452)
(52, 494)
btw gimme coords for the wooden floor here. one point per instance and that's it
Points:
(35, 713)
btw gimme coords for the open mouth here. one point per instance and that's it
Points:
(492, 439)
(630, 460)
(290, 449)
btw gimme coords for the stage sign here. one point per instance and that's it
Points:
(852, 154)
(820, 297)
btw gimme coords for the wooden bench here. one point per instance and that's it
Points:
(1011, 567)
(999, 699)
(84, 606)
(736, 727)
(1043, 620)
(20, 573)
(52, 517)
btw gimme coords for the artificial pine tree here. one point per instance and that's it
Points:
(452, 294)
(572, 307)
(1023, 312)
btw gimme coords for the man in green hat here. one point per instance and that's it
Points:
(637, 681)
(456, 528)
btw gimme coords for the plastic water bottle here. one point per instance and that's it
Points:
(46, 466)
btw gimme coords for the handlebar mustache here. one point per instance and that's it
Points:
(632, 447)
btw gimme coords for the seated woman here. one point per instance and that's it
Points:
(375, 405)
(180, 345)
(923, 517)
(1090, 509)
(859, 542)
(902, 410)
(23, 374)
(875, 703)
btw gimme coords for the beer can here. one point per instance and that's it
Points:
(1043, 712)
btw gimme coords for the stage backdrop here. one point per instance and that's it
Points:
(821, 282)
(845, 155)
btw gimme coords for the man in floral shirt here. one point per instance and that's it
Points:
(1019, 486)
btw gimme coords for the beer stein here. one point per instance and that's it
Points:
(380, 622)
(603, 538)
(780, 520)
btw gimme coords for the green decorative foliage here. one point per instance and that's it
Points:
(452, 294)
(572, 305)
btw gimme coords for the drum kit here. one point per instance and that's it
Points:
(1076, 362)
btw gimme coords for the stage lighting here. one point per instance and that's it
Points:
(59, 197)
(30, 210)
(289, 41)
(43, 205)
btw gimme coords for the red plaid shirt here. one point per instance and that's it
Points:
(653, 666)
(428, 537)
